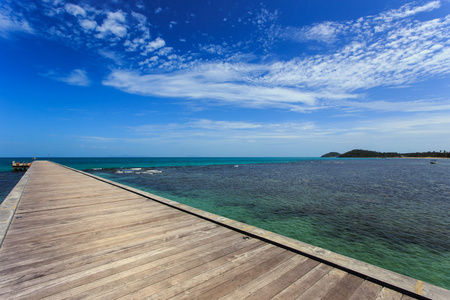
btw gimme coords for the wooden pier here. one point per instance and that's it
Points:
(69, 234)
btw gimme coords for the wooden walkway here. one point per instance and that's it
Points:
(74, 235)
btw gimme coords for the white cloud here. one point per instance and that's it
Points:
(10, 23)
(140, 17)
(372, 54)
(407, 10)
(76, 77)
(220, 83)
(223, 125)
(401, 54)
(153, 45)
(214, 49)
(75, 10)
(386, 50)
(362, 29)
(288, 138)
(172, 24)
(88, 24)
(326, 32)
(140, 5)
(114, 25)
(438, 105)
(97, 139)
(218, 129)
(423, 126)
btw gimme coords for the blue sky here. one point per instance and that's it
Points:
(223, 78)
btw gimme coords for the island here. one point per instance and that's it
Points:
(331, 154)
(375, 154)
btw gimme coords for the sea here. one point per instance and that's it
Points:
(393, 213)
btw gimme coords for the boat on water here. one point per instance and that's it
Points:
(434, 162)
(20, 166)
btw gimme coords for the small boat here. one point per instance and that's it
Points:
(433, 162)
(20, 166)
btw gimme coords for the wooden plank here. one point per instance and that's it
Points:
(141, 261)
(113, 242)
(24, 235)
(276, 286)
(161, 269)
(44, 250)
(191, 274)
(259, 280)
(218, 281)
(344, 288)
(367, 291)
(388, 294)
(85, 257)
(304, 283)
(50, 227)
(326, 283)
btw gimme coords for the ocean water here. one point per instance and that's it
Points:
(393, 213)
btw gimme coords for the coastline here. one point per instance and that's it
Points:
(430, 157)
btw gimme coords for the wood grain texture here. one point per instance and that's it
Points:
(74, 236)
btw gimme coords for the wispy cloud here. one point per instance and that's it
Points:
(206, 128)
(212, 83)
(437, 105)
(345, 132)
(392, 48)
(398, 53)
(114, 25)
(408, 10)
(98, 139)
(386, 50)
(326, 32)
(11, 22)
(76, 77)
(75, 10)
(243, 138)
(361, 29)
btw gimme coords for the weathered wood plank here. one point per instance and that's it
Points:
(219, 281)
(143, 261)
(259, 279)
(367, 291)
(114, 251)
(325, 284)
(388, 294)
(163, 271)
(278, 285)
(44, 250)
(304, 283)
(344, 288)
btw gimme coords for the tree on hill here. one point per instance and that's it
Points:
(368, 153)
(443, 154)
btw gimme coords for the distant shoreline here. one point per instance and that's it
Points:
(425, 157)
(360, 153)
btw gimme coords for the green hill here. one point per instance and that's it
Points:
(367, 153)
(331, 154)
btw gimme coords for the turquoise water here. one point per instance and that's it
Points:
(393, 213)
(131, 162)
